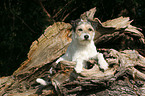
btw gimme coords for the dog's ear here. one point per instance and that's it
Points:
(94, 24)
(74, 23)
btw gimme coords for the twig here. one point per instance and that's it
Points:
(22, 21)
(69, 14)
(61, 9)
(44, 9)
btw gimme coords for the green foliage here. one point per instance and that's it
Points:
(23, 21)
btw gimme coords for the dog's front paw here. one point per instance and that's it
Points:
(102, 62)
(60, 59)
(104, 65)
(78, 70)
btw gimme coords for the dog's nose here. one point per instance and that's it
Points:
(86, 37)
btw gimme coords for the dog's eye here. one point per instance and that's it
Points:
(90, 29)
(80, 29)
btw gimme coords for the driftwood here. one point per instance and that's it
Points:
(123, 66)
(125, 76)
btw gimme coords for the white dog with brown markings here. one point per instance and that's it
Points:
(82, 47)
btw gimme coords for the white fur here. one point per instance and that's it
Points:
(41, 81)
(80, 49)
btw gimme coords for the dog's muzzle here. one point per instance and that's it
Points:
(86, 37)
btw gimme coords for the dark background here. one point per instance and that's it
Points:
(23, 21)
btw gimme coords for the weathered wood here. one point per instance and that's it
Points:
(49, 46)
(90, 78)
(126, 74)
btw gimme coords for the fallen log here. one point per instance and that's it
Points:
(125, 76)
(123, 66)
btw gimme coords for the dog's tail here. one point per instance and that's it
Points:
(42, 82)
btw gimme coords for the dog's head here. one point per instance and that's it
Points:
(84, 30)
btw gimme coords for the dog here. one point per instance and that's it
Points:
(82, 47)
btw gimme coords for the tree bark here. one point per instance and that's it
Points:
(125, 76)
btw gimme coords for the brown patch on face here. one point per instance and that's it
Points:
(84, 28)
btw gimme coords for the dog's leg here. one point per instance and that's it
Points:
(102, 62)
(42, 82)
(79, 66)
(60, 59)
(57, 61)
(64, 57)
